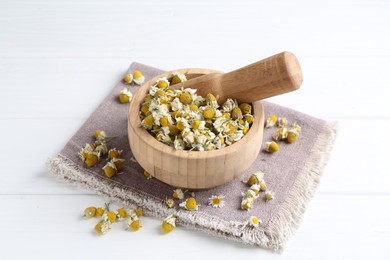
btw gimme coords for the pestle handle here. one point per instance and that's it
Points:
(275, 75)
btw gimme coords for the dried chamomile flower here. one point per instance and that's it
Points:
(102, 149)
(280, 134)
(293, 132)
(263, 186)
(211, 100)
(99, 134)
(185, 98)
(83, 154)
(255, 188)
(110, 169)
(246, 109)
(139, 212)
(236, 113)
(90, 212)
(168, 224)
(147, 175)
(134, 223)
(162, 83)
(271, 147)
(292, 136)
(138, 78)
(217, 201)
(228, 106)
(255, 178)
(271, 121)
(148, 122)
(109, 216)
(282, 122)
(92, 159)
(170, 203)
(128, 78)
(102, 227)
(114, 153)
(121, 213)
(125, 96)
(178, 78)
(189, 204)
(247, 203)
(178, 194)
(118, 163)
(209, 112)
(254, 221)
(269, 195)
(99, 212)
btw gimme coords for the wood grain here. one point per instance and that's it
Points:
(275, 75)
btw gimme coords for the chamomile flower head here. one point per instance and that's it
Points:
(255, 178)
(134, 223)
(99, 212)
(102, 227)
(280, 134)
(271, 121)
(255, 188)
(162, 83)
(121, 213)
(190, 204)
(282, 122)
(269, 195)
(110, 169)
(118, 163)
(147, 175)
(178, 78)
(125, 96)
(271, 147)
(90, 212)
(228, 106)
(247, 203)
(168, 224)
(128, 78)
(102, 148)
(83, 154)
(92, 159)
(246, 108)
(138, 78)
(170, 203)
(99, 134)
(178, 194)
(254, 221)
(114, 153)
(109, 216)
(217, 201)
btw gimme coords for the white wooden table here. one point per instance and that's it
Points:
(59, 59)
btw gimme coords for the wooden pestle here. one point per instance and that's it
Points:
(270, 77)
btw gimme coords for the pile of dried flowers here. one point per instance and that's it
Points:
(186, 121)
(290, 134)
(92, 152)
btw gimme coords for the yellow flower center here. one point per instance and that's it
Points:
(111, 216)
(191, 203)
(175, 195)
(216, 201)
(166, 227)
(137, 74)
(135, 225)
(162, 84)
(255, 220)
(185, 98)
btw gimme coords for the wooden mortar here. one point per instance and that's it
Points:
(206, 169)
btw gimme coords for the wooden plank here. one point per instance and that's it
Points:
(335, 227)
(76, 89)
